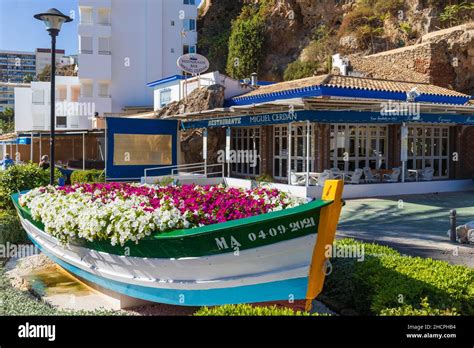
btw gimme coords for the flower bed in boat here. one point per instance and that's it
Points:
(122, 212)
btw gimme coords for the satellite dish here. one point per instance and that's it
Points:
(412, 94)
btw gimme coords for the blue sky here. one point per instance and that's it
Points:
(19, 31)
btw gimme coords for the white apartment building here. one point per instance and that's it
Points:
(174, 88)
(32, 106)
(125, 44)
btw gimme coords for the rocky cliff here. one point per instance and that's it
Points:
(300, 36)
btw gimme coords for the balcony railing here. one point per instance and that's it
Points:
(85, 52)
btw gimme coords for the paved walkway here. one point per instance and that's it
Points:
(414, 224)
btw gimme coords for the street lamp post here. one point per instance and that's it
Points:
(53, 19)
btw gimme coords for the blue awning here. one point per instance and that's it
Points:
(327, 117)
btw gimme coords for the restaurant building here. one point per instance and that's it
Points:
(300, 129)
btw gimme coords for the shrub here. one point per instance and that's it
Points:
(299, 70)
(87, 176)
(386, 279)
(10, 228)
(424, 310)
(22, 177)
(264, 178)
(247, 40)
(249, 310)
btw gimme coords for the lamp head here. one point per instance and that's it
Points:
(53, 19)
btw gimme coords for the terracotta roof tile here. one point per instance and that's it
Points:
(361, 83)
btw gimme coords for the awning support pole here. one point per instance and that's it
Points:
(204, 150)
(227, 149)
(40, 153)
(31, 148)
(403, 148)
(308, 140)
(83, 151)
(289, 153)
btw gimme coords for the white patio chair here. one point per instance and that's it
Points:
(336, 173)
(325, 175)
(369, 176)
(297, 179)
(427, 174)
(354, 178)
(392, 177)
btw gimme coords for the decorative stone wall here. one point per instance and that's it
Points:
(444, 58)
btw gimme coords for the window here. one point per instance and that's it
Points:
(85, 14)
(87, 89)
(172, 50)
(172, 23)
(189, 49)
(357, 146)
(188, 2)
(165, 97)
(38, 97)
(298, 149)
(429, 147)
(61, 93)
(245, 142)
(104, 45)
(189, 24)
(104, 16)
(61, 121)
(104, 90)
(142, 149)
(86, 46)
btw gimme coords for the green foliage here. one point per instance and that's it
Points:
(248, 310)
(366, 20)
(87, 176)
(406, 27)
(264, 178)
(10, 228)
(165, 181)
(299, 70)
(22, 177)
(246, 41)
(457, 14)
(390, 280)
(424, 310)
(7, 124)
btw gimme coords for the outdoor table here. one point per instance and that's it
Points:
(416, 172)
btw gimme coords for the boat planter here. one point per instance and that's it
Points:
(275, 256)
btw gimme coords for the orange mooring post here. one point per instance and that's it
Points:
(328, 220)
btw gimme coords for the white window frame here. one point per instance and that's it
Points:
(38, 97)
(100, 18)
(246, 138)
(425, 149)
(103, 44)
(363, 134)
(165, 97)
(85, 87)
(86, 50)
(101, 86)
(187, 24)
(298, 158)
(83, 20)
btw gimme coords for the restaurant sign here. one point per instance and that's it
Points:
(325, 117)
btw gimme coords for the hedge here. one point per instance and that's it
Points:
(248, 310)
(388, 282)
(22, 177)
(87, 176)
(10, 228)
